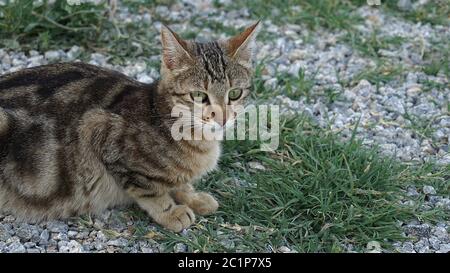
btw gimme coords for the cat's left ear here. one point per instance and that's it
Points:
(240, 47)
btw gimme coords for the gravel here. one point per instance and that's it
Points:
(180, 248)
(425, 238)
(57, 226)
(382, 112)
(428, 190)
(15, 247)
(284, 249)
(76, 235)
(121, 242)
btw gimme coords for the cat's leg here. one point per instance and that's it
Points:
(201, 203)
(162, 208)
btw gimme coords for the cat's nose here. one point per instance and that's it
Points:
(220, 119)
(217, 114)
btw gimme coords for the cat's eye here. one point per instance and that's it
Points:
(235, 94)
(199, 96)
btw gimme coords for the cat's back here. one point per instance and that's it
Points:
(60, 85)
(47, 166)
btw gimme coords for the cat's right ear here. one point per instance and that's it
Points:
(240, 47)
(175, 54)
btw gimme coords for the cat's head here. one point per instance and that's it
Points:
(215, 75)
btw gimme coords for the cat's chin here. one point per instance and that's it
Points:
(212, 132)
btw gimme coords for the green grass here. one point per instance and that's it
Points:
(326, 13)
(23, 22)
(337, 13)
(332, 94)
(296, 86)
(340, 15)
(429, 85)
(380, 74)
(316, 195)
(429, 173)
(25, 26)
(437, 65)
(419, 125)
(434, 12)
(370, 46)
(433, 68)
(318, 192)
(293, 86)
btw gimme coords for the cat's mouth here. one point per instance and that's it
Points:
(212, 126)
(190, 123)
(200, 129)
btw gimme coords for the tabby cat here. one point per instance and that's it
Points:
(76, 138)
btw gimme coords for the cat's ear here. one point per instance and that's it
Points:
(175, 54)
(240, 47)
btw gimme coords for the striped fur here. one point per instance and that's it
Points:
(76, 138)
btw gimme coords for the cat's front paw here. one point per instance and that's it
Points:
(203, 203)
(177, 218)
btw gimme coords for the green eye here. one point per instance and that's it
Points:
(235, 94)
(199, 96)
